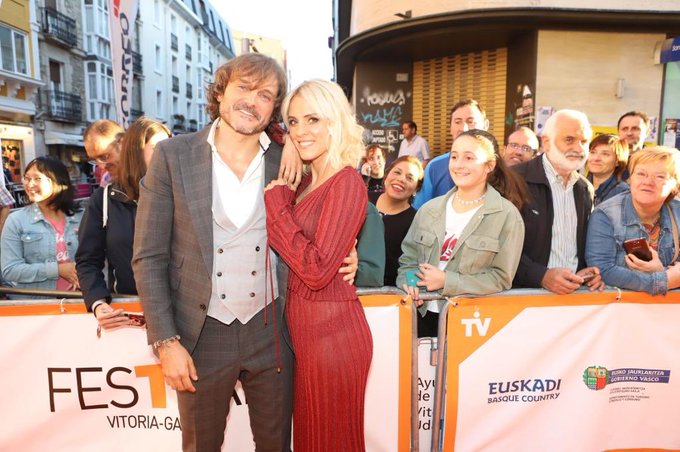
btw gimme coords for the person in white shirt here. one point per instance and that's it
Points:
(413, 144)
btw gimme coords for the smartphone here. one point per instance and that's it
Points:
(639, 248)
(588, 277)
(411, 278)
(136, 318)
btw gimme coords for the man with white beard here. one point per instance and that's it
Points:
(556, 217)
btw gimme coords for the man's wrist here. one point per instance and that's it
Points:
(159, 344)
(96, 304)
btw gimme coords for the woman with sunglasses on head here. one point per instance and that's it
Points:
(470, 240)
(39, 240)
(108, 225)
(607, 162)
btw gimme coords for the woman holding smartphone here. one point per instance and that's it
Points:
(468, 241)
(644, 221)
(313, 228)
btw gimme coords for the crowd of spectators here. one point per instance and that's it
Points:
(561, 211)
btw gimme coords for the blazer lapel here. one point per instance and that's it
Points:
(196, 167)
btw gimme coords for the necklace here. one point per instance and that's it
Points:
(471, 202)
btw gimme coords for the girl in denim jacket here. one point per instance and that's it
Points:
(39, 241)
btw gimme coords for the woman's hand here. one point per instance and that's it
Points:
(290, 168)
(635, 263)
(431, 277)
(67, 270)
(414, 293)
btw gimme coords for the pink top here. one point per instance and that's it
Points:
(62, 250)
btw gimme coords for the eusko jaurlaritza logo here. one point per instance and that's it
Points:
(598, 377)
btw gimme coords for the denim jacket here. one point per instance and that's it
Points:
(29, 248)
(615, 221)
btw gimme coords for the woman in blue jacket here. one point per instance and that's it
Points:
(108, 226)
(649, 214)
(39, 241)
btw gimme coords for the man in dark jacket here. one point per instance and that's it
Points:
(556, 217)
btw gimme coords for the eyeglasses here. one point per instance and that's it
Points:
(524, 147)
(658, 178)
(100, 160)
(38, 180)
(104, 158)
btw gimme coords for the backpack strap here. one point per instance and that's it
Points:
(105, 210)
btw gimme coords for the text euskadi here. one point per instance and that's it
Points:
(528, 390)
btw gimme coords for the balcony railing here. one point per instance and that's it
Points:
(175, 84)
(59, 26)
(187, 52)
(174, 43)
(193, 125)
(63, 106)
(136, 62)
(135, 114)
(190, 91)
(178, 124)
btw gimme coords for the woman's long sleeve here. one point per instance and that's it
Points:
(316, 259)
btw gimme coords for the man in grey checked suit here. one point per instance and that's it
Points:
(201, 268)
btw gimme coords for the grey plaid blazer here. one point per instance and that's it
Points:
(173, 245)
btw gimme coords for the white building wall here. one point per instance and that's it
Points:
(157, 33)
(580, 70)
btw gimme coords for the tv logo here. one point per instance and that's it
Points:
(482, 326)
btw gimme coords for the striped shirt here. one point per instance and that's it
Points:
(563, 251)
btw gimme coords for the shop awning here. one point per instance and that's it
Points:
(71, 139)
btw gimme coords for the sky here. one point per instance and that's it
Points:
(303, 25)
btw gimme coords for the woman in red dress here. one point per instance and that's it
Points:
(313, 229)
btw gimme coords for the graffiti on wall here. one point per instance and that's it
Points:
(381, 112)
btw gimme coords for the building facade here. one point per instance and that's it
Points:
(522, 59)
(19, 82)
(56, 72)
(181, 43)
(60, 109)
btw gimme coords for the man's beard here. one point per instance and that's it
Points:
(251, 130)
(559, 159)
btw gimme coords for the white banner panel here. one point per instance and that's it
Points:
(64, 389)
(122, 14)
(571, 375)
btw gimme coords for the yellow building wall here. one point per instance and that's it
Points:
(580, 70)
(15, 14)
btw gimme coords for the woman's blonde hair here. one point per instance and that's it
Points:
(345, 144)
(669, 157)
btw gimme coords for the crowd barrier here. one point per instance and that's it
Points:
(582, 372)
(63, 388)
(518, 371)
